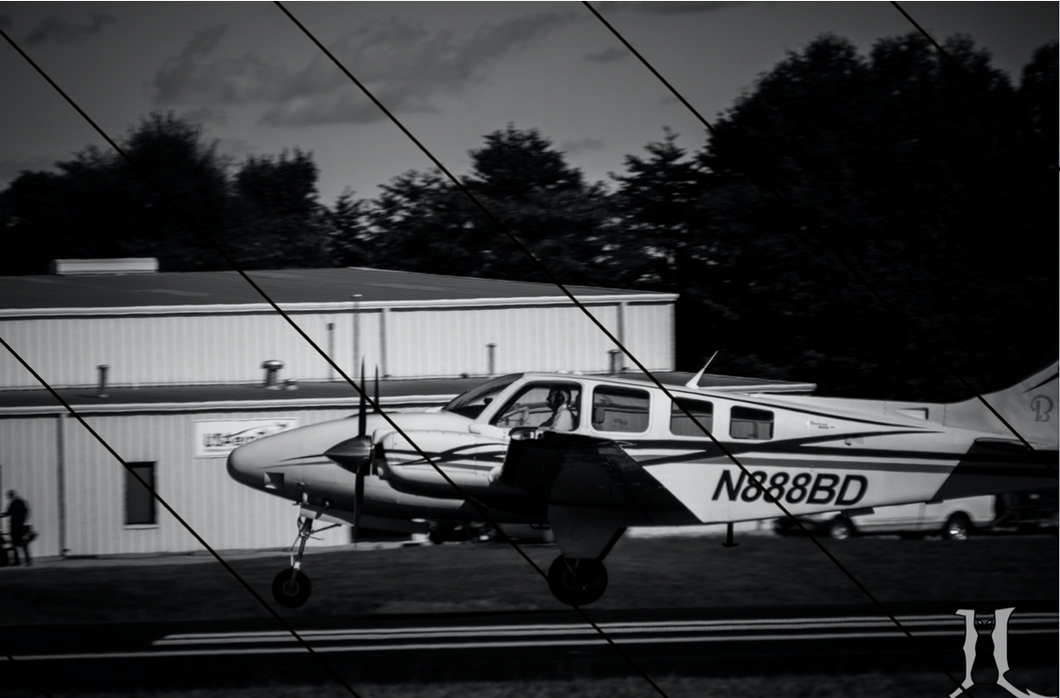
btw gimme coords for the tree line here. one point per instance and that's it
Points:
(876, 223)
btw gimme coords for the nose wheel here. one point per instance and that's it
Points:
(577, 581)
(291, 588)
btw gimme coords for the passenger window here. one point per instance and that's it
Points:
(620, 409)
(681, 425)
(749, 423)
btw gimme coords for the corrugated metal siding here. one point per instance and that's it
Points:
(205, 349)
(454, 341)
(169, 350)
(29, 464)
(226, 514)
(649, 335)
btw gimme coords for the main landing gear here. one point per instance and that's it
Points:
(291, 587)
(577, 581)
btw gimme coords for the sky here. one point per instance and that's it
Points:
(450, 72)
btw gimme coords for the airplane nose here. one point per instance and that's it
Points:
(243, 466)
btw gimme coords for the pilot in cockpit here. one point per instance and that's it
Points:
(559, 402)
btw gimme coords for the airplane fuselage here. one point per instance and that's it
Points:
(807, 454)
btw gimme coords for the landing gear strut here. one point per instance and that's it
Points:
(291, 586)
(577, 581)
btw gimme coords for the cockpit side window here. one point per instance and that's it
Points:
(620, 409)
(530, 407)
(471, 403)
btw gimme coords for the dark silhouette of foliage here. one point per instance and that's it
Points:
(889, 169)
(277, 212)
(872, 222)
(99, 205)
(423, 222)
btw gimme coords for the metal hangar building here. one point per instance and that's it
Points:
(172, 369)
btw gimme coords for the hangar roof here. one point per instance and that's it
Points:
(285, 287)
(392, 393)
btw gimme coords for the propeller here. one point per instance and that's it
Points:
(355, 454)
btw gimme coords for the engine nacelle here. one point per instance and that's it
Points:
(466, 459)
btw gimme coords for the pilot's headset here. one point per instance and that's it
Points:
(563, 393)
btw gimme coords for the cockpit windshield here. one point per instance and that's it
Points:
(471, 403)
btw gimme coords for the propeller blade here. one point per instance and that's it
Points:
(362, 415)
(358, 499)
(375, 408)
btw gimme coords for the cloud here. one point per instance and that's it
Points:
(609, 55)
(582, 145)
(206, 116)
(186, 79)
(665, 8)
(60, 31)
(404, 65)
(236, 148)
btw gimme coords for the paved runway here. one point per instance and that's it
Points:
(529, 644)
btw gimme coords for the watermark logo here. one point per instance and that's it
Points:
(1042, 406)
(999, 636)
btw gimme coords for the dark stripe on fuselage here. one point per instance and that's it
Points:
(1047, 380)
(763, 403)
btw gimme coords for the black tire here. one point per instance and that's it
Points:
(841, 528)
(577, 581)
(957, 527)
(291, 593)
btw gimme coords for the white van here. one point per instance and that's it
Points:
(953, 519)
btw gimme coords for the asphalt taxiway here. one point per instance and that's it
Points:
(719, 641)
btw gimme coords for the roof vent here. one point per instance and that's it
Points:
(126, 265)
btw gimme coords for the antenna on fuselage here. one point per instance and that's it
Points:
(694, 383)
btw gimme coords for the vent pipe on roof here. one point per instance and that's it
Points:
(272, 374)
(102, 391)
(126, 265)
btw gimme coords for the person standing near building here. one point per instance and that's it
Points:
(18, 512)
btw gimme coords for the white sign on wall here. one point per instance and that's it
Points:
(216, 439)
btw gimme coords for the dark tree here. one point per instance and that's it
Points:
(166, 204)
(278, 214)
(1038, 89)
(518, 165)
(528, 187)
(423, 222)
(347, 230)
(875, 212)
(658, 237)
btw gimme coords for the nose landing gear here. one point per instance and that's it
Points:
(577, 581)
(291, 587)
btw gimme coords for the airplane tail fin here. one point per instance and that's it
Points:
(1029, 407)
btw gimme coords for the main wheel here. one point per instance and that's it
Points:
(957, 527)
(577, 581)
(288, 592)
(841, 528)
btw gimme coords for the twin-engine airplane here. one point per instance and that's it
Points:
(589, 456)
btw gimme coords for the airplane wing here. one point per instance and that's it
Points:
(571, 470)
